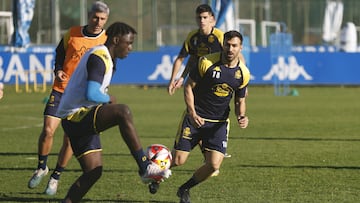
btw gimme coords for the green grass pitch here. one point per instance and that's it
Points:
(296, 149)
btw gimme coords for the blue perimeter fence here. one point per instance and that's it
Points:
(303, 65)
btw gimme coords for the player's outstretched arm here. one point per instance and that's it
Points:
(176, 68)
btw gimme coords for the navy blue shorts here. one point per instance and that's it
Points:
(213, 135)
(52, 104)
(83, 136)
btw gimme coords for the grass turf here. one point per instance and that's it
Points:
(296, 149)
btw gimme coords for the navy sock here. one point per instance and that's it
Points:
(141, 160)
(42, 161)
(189, 184)
(57, 172)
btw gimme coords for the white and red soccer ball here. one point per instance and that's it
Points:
(160, 155)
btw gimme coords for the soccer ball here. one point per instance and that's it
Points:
(160, 155)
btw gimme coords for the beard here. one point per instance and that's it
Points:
(229, 56)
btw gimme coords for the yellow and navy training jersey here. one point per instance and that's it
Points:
(215, 86)
(197, 44)
(74, 103)
(76, 43)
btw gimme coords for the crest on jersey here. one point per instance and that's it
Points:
(238, 74)
(211, 39)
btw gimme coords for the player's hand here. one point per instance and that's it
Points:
(243, 121)
(61, 76)
(173, 85)
(179, 82)
(197, 121)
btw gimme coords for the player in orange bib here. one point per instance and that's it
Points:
(72, 46)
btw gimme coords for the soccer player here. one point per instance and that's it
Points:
(199, 42)
(207, 93)
(86, 111)
(68, 53)
(204, 40)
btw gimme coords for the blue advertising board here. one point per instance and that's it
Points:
(305, 66)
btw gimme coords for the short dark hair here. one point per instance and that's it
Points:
(231, 34)
(204, 8)
(119, 28)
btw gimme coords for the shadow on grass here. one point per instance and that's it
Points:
(296, 139)
(5, 198)
(51, 154)
(25, 199)
(67, 170)
(21, 198)
(301, 167)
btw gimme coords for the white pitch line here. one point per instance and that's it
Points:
(6, 106)
(21, 127)
(23, 117)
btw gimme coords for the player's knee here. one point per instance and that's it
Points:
(123, 111)
(48, 132)
(93, 175)
(213, 166)
(178, 161)
(96, 173)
